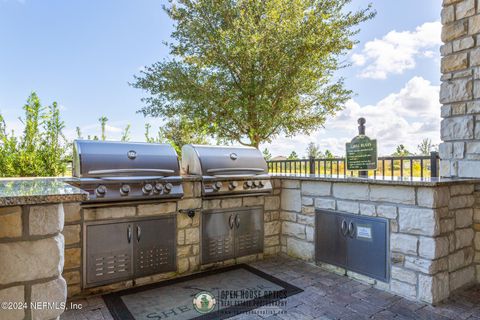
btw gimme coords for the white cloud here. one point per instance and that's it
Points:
(404, 117)
(397, 51)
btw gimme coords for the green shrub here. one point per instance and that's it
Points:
(41, 150)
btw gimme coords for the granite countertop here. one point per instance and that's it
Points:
(24, 191)
(407, 181)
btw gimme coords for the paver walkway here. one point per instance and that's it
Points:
(327, 296)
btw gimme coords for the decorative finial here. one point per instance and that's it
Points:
(361, 126)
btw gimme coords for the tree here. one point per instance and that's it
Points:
(250, 70)
(103, 123)
(401, 151)
(266, 154)
(125, 133)
(41, 149)
(293, 156)
(79, 133)
(313, 151)
(425, 147)
(329, 154)
(180, 131)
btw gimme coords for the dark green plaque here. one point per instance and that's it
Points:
(362, 153)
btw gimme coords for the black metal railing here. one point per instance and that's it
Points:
(409, 166)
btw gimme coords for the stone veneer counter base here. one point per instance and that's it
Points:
(403, 181)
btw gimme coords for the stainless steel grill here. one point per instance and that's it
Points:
(227, 171)
(120, 171)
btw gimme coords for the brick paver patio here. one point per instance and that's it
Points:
(327, 296)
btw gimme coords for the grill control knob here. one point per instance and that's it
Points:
(255, 184)
(217, 185)
(168, 187)
(232, 185)
(247, 184)
(101, 191)
(147, 188)
(125, 189)
(260, 184)
(158, 188)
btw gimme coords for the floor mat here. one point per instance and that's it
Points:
(215, 294)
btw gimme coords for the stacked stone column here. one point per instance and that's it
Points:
(460, 89)
(31, 262)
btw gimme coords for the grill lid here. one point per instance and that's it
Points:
(96, 159)
(222, 160)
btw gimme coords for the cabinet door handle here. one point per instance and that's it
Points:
(237, 221)
(344, 228)
(129, 233)
(351, 229)
(230, 221)
(139, 233)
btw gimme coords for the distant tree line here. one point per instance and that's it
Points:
(314, 151)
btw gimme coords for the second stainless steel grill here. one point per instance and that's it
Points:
(227, 171)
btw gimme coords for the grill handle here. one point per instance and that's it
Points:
(237, 221)
(129, 233)
(351, 229)
(121, 171)
(230, 221)
(139, 233)
(220, 170)
(344, 228)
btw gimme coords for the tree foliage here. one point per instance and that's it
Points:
(293, 156)
(401, 151)
(41, 150)
(249, 70)
(266, 154)
(313, 151)
(425, 147)
(179, 131)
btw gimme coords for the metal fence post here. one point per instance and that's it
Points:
(433, 164)
(311, 162)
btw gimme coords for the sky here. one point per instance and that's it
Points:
(83, 54)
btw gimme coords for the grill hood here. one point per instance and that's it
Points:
(97, 159)
(222, 161)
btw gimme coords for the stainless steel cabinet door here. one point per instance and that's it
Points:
(154, 246)
(248, 232)
(108, 253)
(331, 244)
(367, 246)
(217, 236)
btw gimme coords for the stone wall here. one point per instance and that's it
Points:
(460, 89)
(188, 234)
(431, 234)
(31, 260)
(476, 227)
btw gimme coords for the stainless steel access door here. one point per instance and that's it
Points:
(217, 236)
(108, 253)
(154, 246)
(248, 232)
(367, 244)
(331, 245)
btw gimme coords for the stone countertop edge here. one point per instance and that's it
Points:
(406, 181)
(25, 191)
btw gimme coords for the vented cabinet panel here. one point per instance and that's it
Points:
(108, 253)
(217, 236)
(248, 232)
(154, 246)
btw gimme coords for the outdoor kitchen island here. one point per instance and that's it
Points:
(433, 237)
